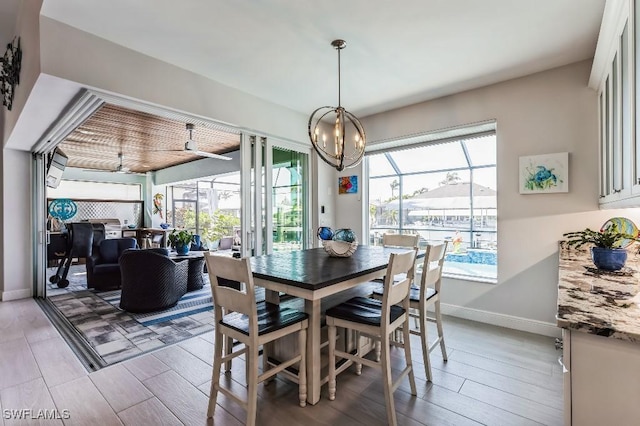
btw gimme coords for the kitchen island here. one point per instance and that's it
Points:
(599, 313)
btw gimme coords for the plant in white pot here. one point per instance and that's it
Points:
(606, 252)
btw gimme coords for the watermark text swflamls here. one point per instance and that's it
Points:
(33, 414)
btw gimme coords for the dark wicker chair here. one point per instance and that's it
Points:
(151, 281)
(103, 269)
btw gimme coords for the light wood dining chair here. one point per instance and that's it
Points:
(239, 317)
(403, 241)
(400, 240)
(377, 319)
(424, 296)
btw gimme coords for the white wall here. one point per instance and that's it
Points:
(15, 231)
(27, 28)
(74, 55)
(548, 112)
(16, 240)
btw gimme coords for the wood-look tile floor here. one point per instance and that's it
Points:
(494, 376)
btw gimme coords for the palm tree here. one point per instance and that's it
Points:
(373, 210)
(391, 216)
(451, 178)
(394, 185)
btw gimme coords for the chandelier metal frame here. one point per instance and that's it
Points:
(341, 153)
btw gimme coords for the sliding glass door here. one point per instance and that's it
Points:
(278, 175)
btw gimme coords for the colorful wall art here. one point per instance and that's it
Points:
(348, 184)
(543, 174)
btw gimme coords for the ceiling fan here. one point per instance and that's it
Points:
(191, 146)
(122, 169)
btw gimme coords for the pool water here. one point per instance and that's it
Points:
(472, 264)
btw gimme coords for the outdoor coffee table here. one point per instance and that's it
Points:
(195, 281)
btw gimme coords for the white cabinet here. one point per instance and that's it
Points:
(603, 380)
(613, 75)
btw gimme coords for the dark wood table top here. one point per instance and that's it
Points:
(314, 269)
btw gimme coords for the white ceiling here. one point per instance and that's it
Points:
(398, 52)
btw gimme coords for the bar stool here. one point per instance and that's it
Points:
(422, 297)
(239, 317)
(396, 240)
(377, 320)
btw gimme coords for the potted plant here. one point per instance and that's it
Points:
(180, 240)
(607, 252)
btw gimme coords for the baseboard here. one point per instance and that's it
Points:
(502, 320)
(15, 294)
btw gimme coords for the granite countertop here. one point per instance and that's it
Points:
(602, 303)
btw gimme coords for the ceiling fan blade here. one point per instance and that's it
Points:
(211, 155)
(191, 146)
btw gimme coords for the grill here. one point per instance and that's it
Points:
(112, 227)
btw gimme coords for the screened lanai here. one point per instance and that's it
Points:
(444, 191)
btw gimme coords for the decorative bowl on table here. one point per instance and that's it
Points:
(335, 248)
(343, 244)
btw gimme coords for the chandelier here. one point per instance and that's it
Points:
(345, 145)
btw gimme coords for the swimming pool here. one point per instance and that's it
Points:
(472, 264)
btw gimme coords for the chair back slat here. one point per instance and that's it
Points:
(228, 298)
(400, 264)
(399, 240)
(432, 267)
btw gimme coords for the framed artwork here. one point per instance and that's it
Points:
(348, 184)
(544, 174)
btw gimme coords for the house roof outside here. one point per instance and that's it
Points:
(452, 196)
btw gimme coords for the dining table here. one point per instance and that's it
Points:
(313, 275)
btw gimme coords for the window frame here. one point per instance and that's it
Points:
(471, 229)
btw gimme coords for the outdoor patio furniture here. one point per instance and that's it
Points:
(77, 243)
(195, 259)
(103, 269)
(151, 281)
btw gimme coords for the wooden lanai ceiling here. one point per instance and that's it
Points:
(146, 142)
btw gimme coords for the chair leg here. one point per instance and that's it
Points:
(440, 332)
(387, 380)
(358, 354)
(378, 349)
(265, 363)
(332, 362)
(228, 346)
(407, 355)
(252, 383)
(215, 375)
(302, 369)
(425, 342)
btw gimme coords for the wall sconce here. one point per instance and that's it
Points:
(10, 72)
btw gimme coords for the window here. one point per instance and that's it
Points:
(209, 208)
(441, 191)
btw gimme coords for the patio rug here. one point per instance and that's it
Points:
(113, 335)
(191, 303)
